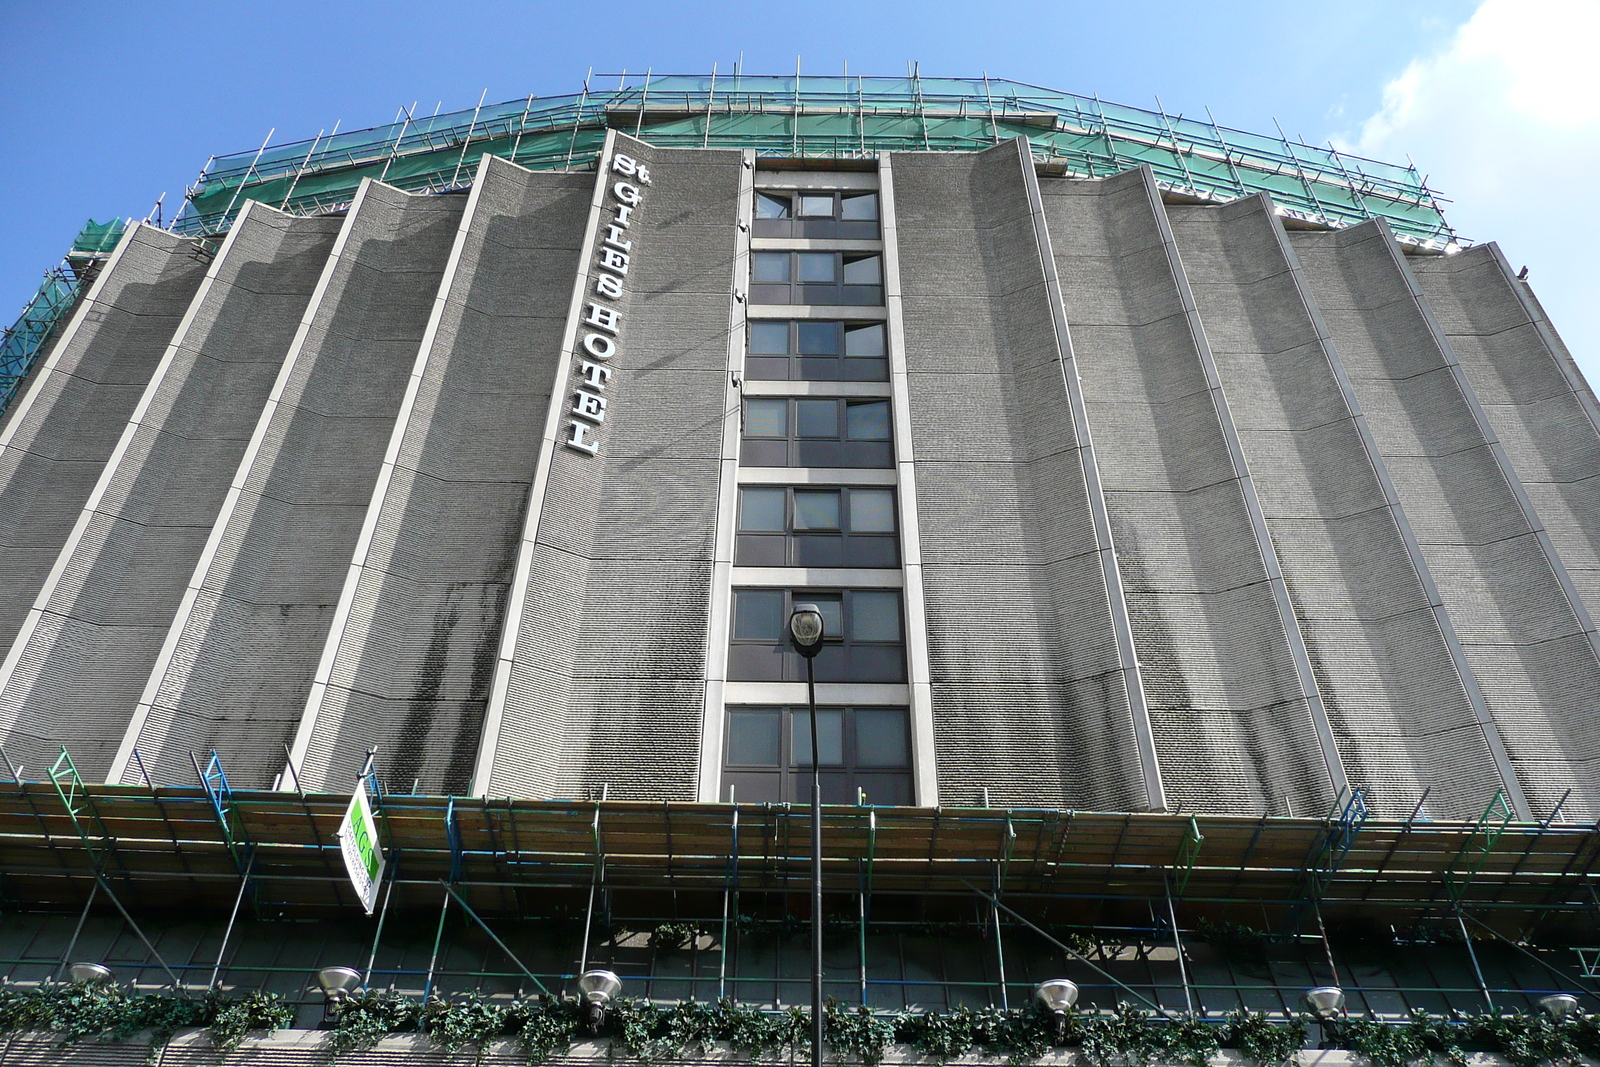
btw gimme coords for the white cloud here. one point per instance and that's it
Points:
(1505, 120)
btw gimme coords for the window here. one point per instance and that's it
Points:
(768, 756)
(814, 350)
(816, 432)
(863, 637)
(817, 214)
(806, 526)
(826, 278)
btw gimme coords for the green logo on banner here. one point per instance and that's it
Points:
(358, 841)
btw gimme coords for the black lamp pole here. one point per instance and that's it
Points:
(806, 631)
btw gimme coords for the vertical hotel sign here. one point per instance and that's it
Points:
(601, 320)
(358, 841)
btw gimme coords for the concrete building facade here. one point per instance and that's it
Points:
(1112, 502)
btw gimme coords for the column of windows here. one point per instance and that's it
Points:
(817, 519)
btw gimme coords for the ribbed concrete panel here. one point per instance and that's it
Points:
(1542, 412)
(238, 662)
(1022, 651)
(413, 659)
(1231, 719)
(1532, 658)
(606, 683)
(60, 433)
(123, 572)
(1400, 712)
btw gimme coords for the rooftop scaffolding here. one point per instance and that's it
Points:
(24, 341)
(823, 117)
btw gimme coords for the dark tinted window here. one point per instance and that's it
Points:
(816, 432)
(816, 526)
(865, 750)
(817, 350)
(818, 278)
(846, 215)
(773, 205)
(864, 636)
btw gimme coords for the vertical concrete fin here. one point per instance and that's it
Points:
(924, 765)
(182, 619)
(33, 394)
(411, 666)
(59, 434)
(260, 617)
(1121, 623)
(1390, 669)
(1233, 723)
(66, 432)
(153, 510)
(1025, 667)
(1504, 588)
(711, 727)
(1507, 470)
(607, 685)
(494, 716)
(306, 731)
(1419, 563)
(96, 728)
(1539, 405)
(1557, 348)
(1252, 503)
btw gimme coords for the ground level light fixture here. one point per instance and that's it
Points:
(89, 973)
(338, 983)
(597, 987)
(1059, 995)
(1325, 1001)
(1559, 1005)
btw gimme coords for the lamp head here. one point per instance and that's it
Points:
(89, 973)
(1559, 1005)
(1059, 995)
(806, 629)
(1325, 1001)
(597, 987)
(338, 983)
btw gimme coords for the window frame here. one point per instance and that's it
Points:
(798, 366)
(842, 655)
(753, 548)
(856, 453)
(841, 781)
(837, 293)
(819, 227)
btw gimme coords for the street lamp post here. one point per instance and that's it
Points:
(806, 633)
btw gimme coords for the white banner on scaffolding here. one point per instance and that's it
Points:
(358, 840)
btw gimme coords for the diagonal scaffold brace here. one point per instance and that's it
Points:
(80, 807)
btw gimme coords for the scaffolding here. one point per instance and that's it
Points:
(1012, 875)
(25, 340)
(823, 117)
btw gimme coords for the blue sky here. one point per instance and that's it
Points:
(105, 106)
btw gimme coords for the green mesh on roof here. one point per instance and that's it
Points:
(822, 117)
(99, 237)
(21, 345)
(24, 341)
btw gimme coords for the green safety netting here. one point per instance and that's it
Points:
(22, 343)
(98, 237)
(830, 116)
